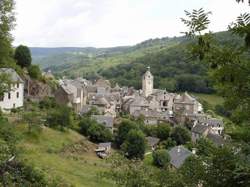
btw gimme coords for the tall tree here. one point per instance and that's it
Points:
(23, 56)
(229, 64)
(7, 23)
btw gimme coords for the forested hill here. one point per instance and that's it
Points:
(167, 57)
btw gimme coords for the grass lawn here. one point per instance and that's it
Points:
(61, 156)
(212, 99)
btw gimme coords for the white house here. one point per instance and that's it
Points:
(14, 98)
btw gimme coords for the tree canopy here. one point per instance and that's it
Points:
(7, 23)
(23, 56)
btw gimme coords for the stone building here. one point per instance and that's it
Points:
(147, 83)
(15, 97)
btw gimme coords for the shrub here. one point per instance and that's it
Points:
(180, 135)
(161, 158)
(34, 72)
(134, 145)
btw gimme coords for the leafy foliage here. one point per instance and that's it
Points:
(35, 72)
(242, 27)
(134, 145)
(180, 135)
(198, 21)
(161, 158)
(96, 132)
(60, 117)
(7, 20)
(23, 56)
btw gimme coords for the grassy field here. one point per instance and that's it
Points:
(67, 156)
(212, 99)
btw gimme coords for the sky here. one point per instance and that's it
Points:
(108, 23)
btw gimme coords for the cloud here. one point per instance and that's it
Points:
(102, 23)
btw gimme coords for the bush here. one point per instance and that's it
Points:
(161, 158)
(123, 130)
(163, 131)
(34, 72)
(169, 143)
(134, 145)
(48, 103)
(60, 117)
(180, 135)
(96, 132)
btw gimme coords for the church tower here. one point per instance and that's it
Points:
(147, 83)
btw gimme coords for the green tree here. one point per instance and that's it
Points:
(134, 145)
(34, 72)
(33, 120)
(229, 65)
(180, 135)
(161, 158)
(23, 56)
(193, 171)
(123, 130)
(7, 20)
(163, 131)
(60, 117)
(98, 133)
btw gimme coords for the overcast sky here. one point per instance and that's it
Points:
(106, 23)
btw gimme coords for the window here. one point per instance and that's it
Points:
(9, 95)
(17, 85)
(17, 95)
(14, 105)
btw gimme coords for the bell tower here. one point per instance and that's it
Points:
(147, 83)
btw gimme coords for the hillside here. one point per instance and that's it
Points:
(67, 156)
(168, 58)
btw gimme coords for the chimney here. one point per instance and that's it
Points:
(194, 151)
(178, 149)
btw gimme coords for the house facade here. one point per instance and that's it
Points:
(15, 97)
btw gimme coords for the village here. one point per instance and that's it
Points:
(154, 106)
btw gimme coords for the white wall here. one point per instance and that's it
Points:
(13, 102)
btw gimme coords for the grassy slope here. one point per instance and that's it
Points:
(79, 169)
(212, 99)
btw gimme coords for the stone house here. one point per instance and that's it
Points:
(15, 97)
(215, 124)
(71, 94)
(151, 117)
(106, 121)
(185, 105)
(199, 131)
(178, 155)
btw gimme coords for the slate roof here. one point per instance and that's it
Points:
(104, 145)
(216, 139)
(12, 73)
(185, 98)
(213, 122)
(107, 121)
(200, 129)
(152, 141)
(148, 113)
(69, 89)
(178, 155)
(139, 101)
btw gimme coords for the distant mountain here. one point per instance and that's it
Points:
(46, 57)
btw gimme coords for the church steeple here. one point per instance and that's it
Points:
(147, 83)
